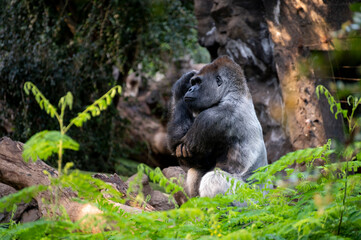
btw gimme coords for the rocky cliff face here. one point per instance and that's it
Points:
(269, 39)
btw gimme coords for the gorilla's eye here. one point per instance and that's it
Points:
(219, 80)
(195, 81)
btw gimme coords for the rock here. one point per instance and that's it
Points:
(268, 39)
(174, 172)
(30, 216)
(115, 180)
(238, 29)
(146, 189)
(178, 175)
(158, 200)
(25, 212)
(6, 190)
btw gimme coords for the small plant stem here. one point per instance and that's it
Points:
(351, 128)
(343, 202)
(62, 132)
(60, 155)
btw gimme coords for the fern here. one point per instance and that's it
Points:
(96, 108)
(24, 195)
(266, 173)
(331, 101)
(352, 101)
(320, 203)
(42, 101)
(46, 143)
(89, 188)
(157, 177)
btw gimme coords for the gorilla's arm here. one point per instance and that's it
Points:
(229, 132)
(181, 117)
(179, 124)
(211, 130)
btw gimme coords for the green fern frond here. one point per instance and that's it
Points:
(307, 155)
(88, 187)
(39, 229)
(24, 195)
(39, 97)
(67, 100)
(331, 101)
(45, 143)
(349, 165)
(306, 186)
(95, 109)
(157, 176)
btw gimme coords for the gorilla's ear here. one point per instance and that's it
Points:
(219, 80)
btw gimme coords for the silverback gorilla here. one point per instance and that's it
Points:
(213, 124)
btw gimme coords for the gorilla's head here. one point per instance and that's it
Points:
(213, 82)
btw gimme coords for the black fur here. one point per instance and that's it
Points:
(214, 124)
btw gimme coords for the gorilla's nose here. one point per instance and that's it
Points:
(191, 89)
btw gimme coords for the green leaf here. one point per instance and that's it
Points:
(69, 100)
(26, 88)
(45, 143)
(24, 195)
(102, 104)
(37, 97)
(41, 104)
(96, 108)
(119, 89)
(332, 102)
(108, 99)
(42, 101)
(33, 90)
(113, 92)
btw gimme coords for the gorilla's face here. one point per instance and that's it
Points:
(206, 91)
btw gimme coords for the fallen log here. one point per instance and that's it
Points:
(16, 174)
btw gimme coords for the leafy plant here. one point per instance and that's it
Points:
(321, 202)
(45, 143)
(350, 150)
(310, 204)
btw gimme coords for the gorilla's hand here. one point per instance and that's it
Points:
(182, 151)
(182, 85)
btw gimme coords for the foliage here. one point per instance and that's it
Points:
(321, 202)
(304, 206)
(307, 156)
(60, 45)
(45, 143)
(24, 195)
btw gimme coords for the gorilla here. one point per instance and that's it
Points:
(213, 125)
